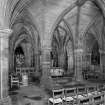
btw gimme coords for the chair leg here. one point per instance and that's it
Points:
(18, 84)
(48, 102)
(11, 85)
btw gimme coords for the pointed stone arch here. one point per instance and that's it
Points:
(62, 45)
(28, 32)
(91, 24)
(100, 4)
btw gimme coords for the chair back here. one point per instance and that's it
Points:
(100, 87)
(18, 71)
(81, 90)
(14, 78)
(97, 98)
(70, 92)
(91, 89)
(59, 93)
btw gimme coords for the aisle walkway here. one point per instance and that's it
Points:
(31, 95)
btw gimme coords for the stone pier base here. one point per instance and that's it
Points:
(5, 101)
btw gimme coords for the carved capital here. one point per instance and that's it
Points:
(5, 33)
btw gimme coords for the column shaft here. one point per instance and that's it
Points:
(78, 65)
(4, 58)
(45, 63)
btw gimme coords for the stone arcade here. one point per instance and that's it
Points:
(37, 36)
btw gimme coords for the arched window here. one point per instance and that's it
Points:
(19, 57)
(62, 46)
(95, 57)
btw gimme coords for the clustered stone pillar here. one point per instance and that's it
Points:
(78, 65)
(70, 63)
(102, 57)
(46, 63)
(88, 60)
(4, 58)
(37, 64)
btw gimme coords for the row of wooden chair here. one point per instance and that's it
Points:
(91, 95)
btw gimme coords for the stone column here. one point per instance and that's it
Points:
(102, 56)
(78, 63)
(28, 56)
(70, 63)
(100, 60)
(88, 60)
(37, 64)
(46, 64)
(4, 58)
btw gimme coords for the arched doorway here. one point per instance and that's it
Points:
(24, 53)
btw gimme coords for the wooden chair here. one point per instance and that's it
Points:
(57, 97)
(101, 87)
(14, 81)
(91, 90)
(98, 99)
(31, 72)
(95, 96)
(85, 101)
(101, 94)
(82, 97)
(81, 91)
(69, 94)
(18, 71)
